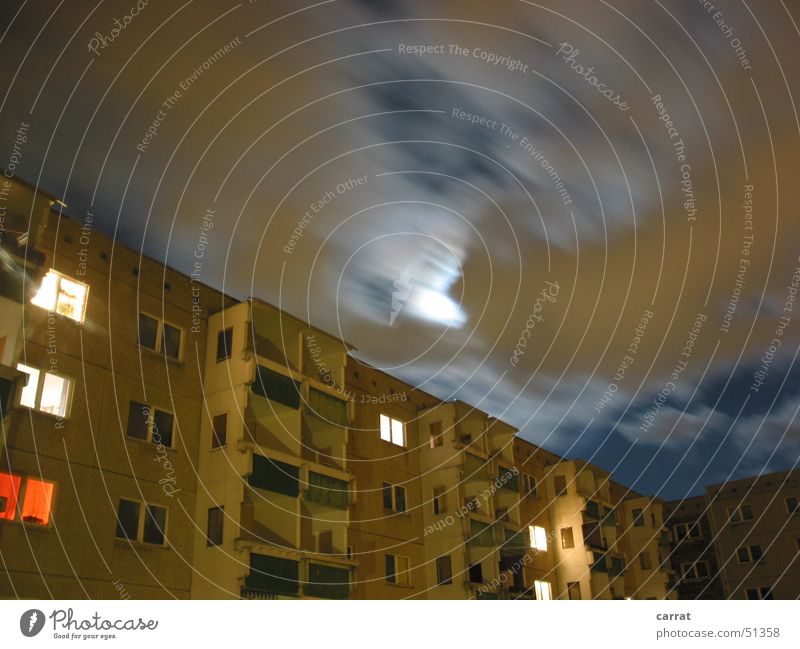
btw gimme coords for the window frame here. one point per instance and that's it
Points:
(398, 576)
(54, 308)
(542, 587)
(212, 542)
(751, 558)
(141, 517)
(391, 430)
(564, 539)
(392, 489)
(560, 491)
(739, 511)
(22, 493)
(537, 534)
(151, 418)
(37, 398)
(645, 560)
(443, 579)
(439, 501)
(690, 572)
(214, 437)
(222, 335)
(796, 510)
(527, 480)
(638, 518)
(159, 343)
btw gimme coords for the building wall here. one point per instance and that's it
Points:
(88, 454)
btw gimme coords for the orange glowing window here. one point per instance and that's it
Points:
(36, 504)
(9, 490)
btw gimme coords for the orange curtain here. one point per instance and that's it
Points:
(9, 491)
(36, 506)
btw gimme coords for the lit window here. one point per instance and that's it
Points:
(538, 537)
(150, 424)
(543, 590)
(157, 335)
(63, 295)
(393, 431)
(37, 499)
(397, 570)
(45, 391)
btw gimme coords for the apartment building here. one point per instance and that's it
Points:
(274, 486)
(97, 472)
(756, 525)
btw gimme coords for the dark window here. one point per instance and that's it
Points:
(387, 496)
(400, 499)
(215, 522)
(154, 524)
(127, 519)
(638, 518)
(138, 420)
(444, 571)
(701, 569)
(148, 331)
(476, 573)
(792, 505)
(567, 539)
(327, 581)
(220, 430)
(436, 434)
(275, 476)
(276, 387)
(644, 560)
(756, 552)
(560, 485)
(574, 589)
(747, 513)
(439, 500)
(272, 575)
(171, 341)
(224, 344)
(390, 569)
(162, 427)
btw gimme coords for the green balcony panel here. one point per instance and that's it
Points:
(327, 582)
(276, 387)
(328, 491)
(480, 534)
(274, 476)
(328, 407)
(273, 575)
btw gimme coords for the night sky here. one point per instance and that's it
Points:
(608, 188)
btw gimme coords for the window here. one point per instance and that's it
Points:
(150, 424)
(136, 523)
(36, 496)
(765, 592)
(574, 589)
(476, 573)
(397, 570)
(749, 553)
(538, 537)
(444, 571)
(696, 570)
(63, 295)
(393, 431)
(224, 344)
(684, 530)
(792, 505)
(436, 437)
(567, 539)
(644, 560)
(638, 518)
(45, 391)
(216, 516)
(543, 590)
(560, 485)
(439, 500)
(529, 484)
(219, 430)
(740, 514)
(394, 497)
(157, 335)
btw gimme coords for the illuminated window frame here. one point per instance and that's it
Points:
(537, 537)
(393, 431)
(23, 492)
(54, 295)
(32, 398)
(543, 590)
